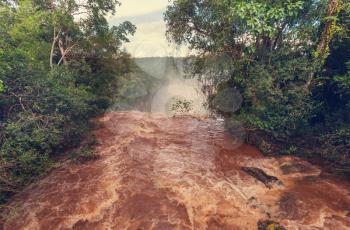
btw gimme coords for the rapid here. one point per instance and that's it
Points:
(183, 172)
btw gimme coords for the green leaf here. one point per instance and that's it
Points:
(2, 87)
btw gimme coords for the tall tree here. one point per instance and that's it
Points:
(60, 62)
(267, 47)
(273, 52)
(329, 27)
(73, 20)
(333, 9)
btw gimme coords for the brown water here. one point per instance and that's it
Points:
(178, 173)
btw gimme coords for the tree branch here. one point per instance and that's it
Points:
(54, 41)
(62, 50)
(63, 58)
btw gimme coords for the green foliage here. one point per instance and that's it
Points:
(2, 87)
(266, 50)
(265, 56)
(179, 106)
(135, 89)
(46, 103)
(275, 99)
(290, 150)
(335, 142)
(234, 27)
(332, 91)
(261, 17)
(85, 152)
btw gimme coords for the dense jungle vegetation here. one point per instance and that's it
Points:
(60, 63)
(290, 61)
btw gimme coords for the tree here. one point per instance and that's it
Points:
(329, 28)
(74, 20)
(331, 90)
(333, 9)
(267, 47)
(54, 83)
(286, 59)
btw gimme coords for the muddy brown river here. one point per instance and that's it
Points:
(164, 173)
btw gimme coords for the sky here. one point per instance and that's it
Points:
(149, 39)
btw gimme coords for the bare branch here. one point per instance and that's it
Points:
(64, 54)
(54, 41)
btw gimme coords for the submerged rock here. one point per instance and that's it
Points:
(296, 167)
(252, 202)
(261, 176)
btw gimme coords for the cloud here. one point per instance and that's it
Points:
(139, 19)
(131, 8)
(149, 39)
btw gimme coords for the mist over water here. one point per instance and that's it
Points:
(174, 87)
(178, 88)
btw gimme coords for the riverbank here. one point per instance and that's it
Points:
(305, 148)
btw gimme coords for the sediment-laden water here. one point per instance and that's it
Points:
(163, 173)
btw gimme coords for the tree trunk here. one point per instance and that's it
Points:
(333, 9)
(63, 51)
(322, 51)
(54, 41)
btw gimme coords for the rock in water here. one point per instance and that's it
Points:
(269, 225)
(260, 175)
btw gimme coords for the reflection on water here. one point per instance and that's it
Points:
(178, 173)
